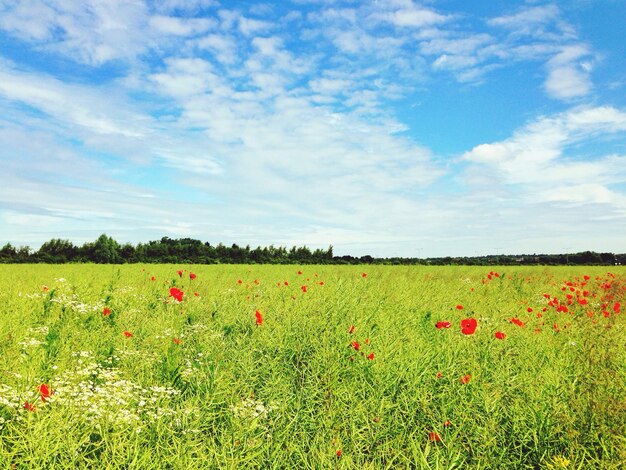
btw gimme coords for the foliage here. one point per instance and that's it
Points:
(105, 250)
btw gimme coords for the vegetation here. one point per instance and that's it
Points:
(242, 366)
(106, 250)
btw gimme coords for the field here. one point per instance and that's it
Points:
(312, 367)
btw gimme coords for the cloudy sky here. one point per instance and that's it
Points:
(383, 127)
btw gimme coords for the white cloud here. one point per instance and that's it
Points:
(181, 26)
(568, 74)
(542, 161)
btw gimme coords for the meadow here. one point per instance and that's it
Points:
(368, 367)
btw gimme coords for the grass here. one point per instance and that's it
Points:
(200, 385)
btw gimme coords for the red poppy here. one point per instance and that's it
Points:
(196, 294)
(153, 278)
(468, 326)
(45, 288)
(500, 335)
(239, 281)
(304, 288)
(434, 437)
(106, 311)
(192, 276)
(45, 391)
(447, 423)
(356, 345)
(371, 356)
(177, 294)
(29, 406)
(616, 307)
(529, 309)
(562, 308)
(180, 273)
(259, 318)
(459, 307)
(443, 324)
(439, 375)
(465, 379)
(351, 329)
(128, 334)
(517, 321)
(286, 283)
(299, 272)
(364, 275)
(176, 341)
(338, 453)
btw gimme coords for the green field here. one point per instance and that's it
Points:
(352, 373)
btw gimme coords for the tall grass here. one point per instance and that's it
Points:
(200, 385)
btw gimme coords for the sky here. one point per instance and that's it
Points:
(390, 128)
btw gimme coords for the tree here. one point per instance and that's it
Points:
(57, 251)
(106, 250)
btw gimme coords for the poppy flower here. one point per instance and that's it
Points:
(176, 341)
(500, 335)
(196, 294)
(192, 276)
(364, 275)
(351, 329)
(299, 272)
(439, 375)
(371, 356)
(128, 334)
(468, 326)
(434, 437)
(443, 324)
(177, 294)
(517, 321)
(45, 288)
(447, 423)
(356, 345)
(106, 311)
(616, 307)
(153, 278)
(459, 307)
(29, 406)
(239, 281)
(304, 288)
(180, 273)
(259, 318)
(529, 309)
(338, 453)
(465, 379)
(286, 283)
(45, 391)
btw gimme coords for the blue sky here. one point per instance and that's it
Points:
(391, 128)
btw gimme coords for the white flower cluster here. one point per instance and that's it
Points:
(102, 393)
(96, 393)
(30, 343)
(73, 302)
(249, 408)
(9, 397)
(34, 342)
(191, 366)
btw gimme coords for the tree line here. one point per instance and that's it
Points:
(106, 250)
